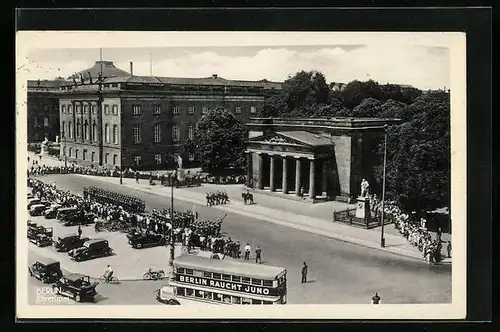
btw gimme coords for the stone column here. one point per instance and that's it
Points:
(260, 181)
(271, 173)
(312, 189)
(284, 180)
(324, 179)
(297, 176)
(249, 169)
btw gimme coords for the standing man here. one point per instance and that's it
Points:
(258, 251)
(439, 233)
(79, 232)
(136, 177)
(376, 299)
(304, 273)
(247, 251)
(448, 249)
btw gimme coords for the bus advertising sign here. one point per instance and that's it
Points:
(242, 288)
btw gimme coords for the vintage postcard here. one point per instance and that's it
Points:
(277, 175)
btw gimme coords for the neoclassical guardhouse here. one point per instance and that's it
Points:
(326, 159)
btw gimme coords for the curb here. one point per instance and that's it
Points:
(313, 230)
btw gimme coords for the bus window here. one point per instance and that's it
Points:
(236, 299)
(189, 292)
(254, 301)
(226, 277)
(267, 283)
(180, 270)
(236, 279)
(246, 300)
(189, 272)
(216, 276)
(245, 280)
(208, 295)
(207, 275)
(179, 291)
(198, 273)
(257, 282)
(218, 297)
(267, 302)
(198, 293)
(227, 298)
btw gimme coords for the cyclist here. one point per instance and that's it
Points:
(108, 274)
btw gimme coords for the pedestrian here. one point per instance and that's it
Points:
(247, 251)
(258, 252)
(304, 273)
(136, 177)
(79, 231)
(448, 249)
(376, 299)
(439, 233)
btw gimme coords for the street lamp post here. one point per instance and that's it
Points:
(382, 239)
(172, 242)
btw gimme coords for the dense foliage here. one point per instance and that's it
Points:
(218, 141)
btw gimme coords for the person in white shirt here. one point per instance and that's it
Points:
(247, 251)
(109, 273)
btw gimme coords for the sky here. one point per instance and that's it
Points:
(422, 66)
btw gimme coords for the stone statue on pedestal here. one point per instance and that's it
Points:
(365, 187)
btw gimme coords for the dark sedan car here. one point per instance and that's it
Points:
(76, 286)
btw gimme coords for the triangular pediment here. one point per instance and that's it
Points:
(276, 139)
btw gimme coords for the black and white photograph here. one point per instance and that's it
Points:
(303, 174)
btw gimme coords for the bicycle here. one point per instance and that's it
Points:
(112, 280)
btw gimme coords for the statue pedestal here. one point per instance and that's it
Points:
(363, 208)
(181, 175)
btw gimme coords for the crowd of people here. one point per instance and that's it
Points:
(103, 196)
(163, 177)
(217, 198)
(415, 231)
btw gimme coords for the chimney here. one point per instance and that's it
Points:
(131, 68)
(214, 76)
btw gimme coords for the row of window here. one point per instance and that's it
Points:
(227, 277)
(158, 158)
(45, 122)
(92, 155)
(78, 109)
(176, 132)
(217, 297)
(136, 110)
(89, 133)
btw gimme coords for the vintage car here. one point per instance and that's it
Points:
(46, 270)
(164, 295)
(31, 196)
(79, 218)
(51, 211)
(91, 249)
(147, 240)
(33, 201)
(37, 209)
(33, 231)
(68, 242)
(42, 240)
(62, 212)
(76, 286)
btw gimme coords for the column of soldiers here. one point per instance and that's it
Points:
(217, 198)
(128, 202)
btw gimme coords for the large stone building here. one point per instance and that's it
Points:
(326, 159)
(43, 109)
(142, 121)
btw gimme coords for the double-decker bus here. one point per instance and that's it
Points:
(228, 281)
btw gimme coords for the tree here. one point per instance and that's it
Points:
(355, 92)
(218, 140)
(418, 156)
(392, 109)
(368, 108)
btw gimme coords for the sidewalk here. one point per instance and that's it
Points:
(313, 218)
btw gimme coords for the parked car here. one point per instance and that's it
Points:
(33, 201)
(46, 270)
(76, 286)
(42, 240)
(79, 218)
(68, 242)
(33, 231)
(91, 249)
(147, 240)
(37, 209)
(51, 212)
(62, 212)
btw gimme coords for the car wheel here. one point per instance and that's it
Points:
(78, 298)
(139, 245)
